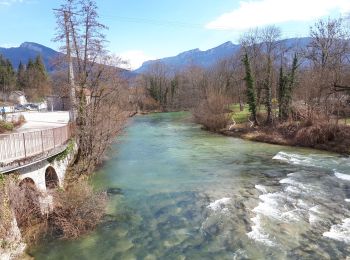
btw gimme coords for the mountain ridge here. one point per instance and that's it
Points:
(29, 50)
(210, 57)
(197, 57)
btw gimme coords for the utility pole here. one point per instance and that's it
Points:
(72, 95)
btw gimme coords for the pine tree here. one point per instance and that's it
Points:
(40, 67)
(37, 84)
(30, 64)
(21, 77)
(251, 94)
(7, 75)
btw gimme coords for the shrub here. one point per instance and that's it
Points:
(76, 211)
(6, 126)
(25, 203)
(21, 120)
(212, 112)
(311, 135)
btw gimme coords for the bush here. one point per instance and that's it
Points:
(212, 112)
(76, 211)
(25, 203)
(311, 135)
(6, 126)
(21, 120)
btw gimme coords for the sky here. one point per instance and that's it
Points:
(141, 30)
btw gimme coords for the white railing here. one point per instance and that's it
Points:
(19, 146)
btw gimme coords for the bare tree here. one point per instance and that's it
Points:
(157, 82)
(269, 39)
(328, 53)
(96, 79)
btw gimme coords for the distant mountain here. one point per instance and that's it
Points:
(29, 50)
(195, 57)
(210, 57)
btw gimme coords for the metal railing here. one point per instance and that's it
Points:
(19, 146)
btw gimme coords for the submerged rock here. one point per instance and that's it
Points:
(114, 191)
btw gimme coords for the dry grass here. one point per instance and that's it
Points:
(317, 134)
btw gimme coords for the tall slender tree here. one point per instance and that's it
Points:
(269, 41)
(286, 85)
(21, 76)
(251, 94)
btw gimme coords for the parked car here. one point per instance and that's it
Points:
(20, 107)
(31, 106)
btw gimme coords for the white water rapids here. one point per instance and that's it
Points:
(302, 200)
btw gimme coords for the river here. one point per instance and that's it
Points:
(178, 192)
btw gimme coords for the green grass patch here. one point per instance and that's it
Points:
(241, 117)
(345, 121)
(6, 126)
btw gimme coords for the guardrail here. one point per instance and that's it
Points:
(19, 146)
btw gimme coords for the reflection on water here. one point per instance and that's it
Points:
(178, 192)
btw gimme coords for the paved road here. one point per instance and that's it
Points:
(43, 120)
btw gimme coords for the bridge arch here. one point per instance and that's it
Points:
(28, 183)
(27, 203)
(51, 178)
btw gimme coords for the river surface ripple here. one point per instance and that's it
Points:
(183, 193)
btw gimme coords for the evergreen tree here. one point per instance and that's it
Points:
(30, 64)
(7, 75)
(21, 77)
(37, 84)
(281, 93)
(286, 86)
(251, 93)
(40, 67)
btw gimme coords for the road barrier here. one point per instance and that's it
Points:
(17, 146)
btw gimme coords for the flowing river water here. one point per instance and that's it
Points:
(177, 192)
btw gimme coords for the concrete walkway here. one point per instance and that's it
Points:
(43, 120)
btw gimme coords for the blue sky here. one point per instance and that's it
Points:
(146, 29)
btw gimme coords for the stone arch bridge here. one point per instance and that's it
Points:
(30, 154)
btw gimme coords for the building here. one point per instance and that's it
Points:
(18, 97)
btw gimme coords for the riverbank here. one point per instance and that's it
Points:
(326, 137)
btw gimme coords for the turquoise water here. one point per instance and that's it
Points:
(177, 192)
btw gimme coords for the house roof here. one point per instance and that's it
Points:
(17, 92)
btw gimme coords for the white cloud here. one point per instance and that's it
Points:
(7, 45)
(134, 58)
(265, 12)
(10, 2)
